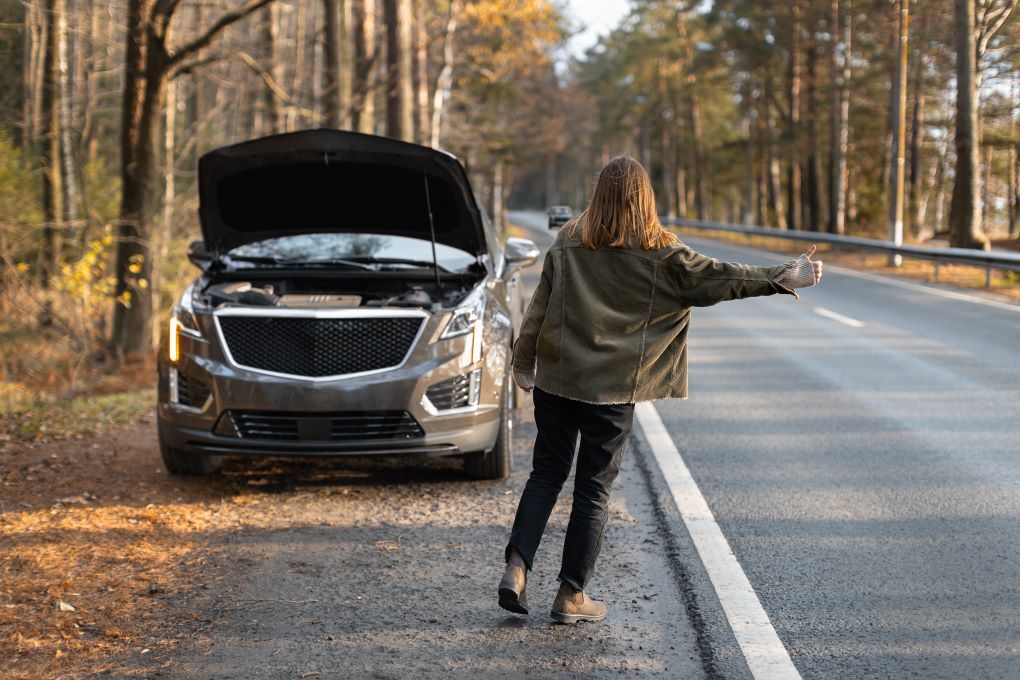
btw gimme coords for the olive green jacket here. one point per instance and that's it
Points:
(609, 326)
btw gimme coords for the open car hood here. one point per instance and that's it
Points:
(330, 181)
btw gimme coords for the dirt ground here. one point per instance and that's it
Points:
(282, 569)
(96, 541)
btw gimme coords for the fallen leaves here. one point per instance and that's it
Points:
(90, 527)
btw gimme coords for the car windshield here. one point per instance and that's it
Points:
(308, 248)
(561, 211)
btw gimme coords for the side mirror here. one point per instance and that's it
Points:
(198, 255)
(520, 252)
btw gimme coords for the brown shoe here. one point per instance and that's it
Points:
(571, 606)
(512, 594)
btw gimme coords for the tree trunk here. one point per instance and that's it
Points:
(52, 157)
(793, 186)
(367, 58)
(775, 183)
(147, 70)
(422, 134)
(29, 84)
(762, 208)
(965, 218)
(273, 122)
(67, 143)
(812, 188)
(840, 19)
(668, 174)
(917, 128)
(899, 116)
(1013, 172)
(144, 93)
(698, 164)
(445, 80)
(938, 219)
(331, 54)
(1014, 184)
(300, 48)
(347, 64)
(399, 78)
(986, 191)
(747, 204)
(681, 192)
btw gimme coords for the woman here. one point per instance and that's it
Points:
(607, 327)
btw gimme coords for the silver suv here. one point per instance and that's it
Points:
(353, 300)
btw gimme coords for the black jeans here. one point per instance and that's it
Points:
(604, 429)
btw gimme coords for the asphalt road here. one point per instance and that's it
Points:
(860, 450)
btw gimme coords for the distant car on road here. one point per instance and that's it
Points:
(559, 215)
(353, 300)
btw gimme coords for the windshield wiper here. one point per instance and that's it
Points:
(256, 259)
(401, 260)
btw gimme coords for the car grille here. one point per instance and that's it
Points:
(337, 427)
(191, 391)
(452, 393)
(319, 347)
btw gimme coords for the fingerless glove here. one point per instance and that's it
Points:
(799, 273)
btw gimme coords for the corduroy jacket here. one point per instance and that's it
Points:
(609, 326)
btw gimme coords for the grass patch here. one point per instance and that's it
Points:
(82, 415)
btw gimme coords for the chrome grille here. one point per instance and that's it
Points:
(318, 347)
(337, 427)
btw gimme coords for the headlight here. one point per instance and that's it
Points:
(182, 321)
(465, 317)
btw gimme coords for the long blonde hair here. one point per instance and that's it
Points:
(622, 210)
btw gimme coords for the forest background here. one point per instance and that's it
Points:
(833, 115)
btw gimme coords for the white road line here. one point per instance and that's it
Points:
(836, 316)
(765, 654)
(921, 288)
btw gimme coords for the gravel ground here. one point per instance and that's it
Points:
(374, 568)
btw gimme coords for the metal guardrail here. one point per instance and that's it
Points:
(984, 259)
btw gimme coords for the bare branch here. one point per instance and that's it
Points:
(228, 19)
(185, 67)
(994, 15)
(266, 76)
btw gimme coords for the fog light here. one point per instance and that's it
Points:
(460, 392)
(476, 387)
(175, 385)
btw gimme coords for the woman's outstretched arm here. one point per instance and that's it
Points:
(705, 281)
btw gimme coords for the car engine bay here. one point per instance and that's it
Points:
(315, 293)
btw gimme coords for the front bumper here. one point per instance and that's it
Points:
(193, 428)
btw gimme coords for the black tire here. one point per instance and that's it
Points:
(186, 464)
(496, 462)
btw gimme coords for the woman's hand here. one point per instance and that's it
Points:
(801, 273)
(524, 379)
(815, 264)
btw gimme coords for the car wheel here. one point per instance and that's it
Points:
(184, 463)
(495, 463)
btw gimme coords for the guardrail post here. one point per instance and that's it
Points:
(988, 277)
(938, 270)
